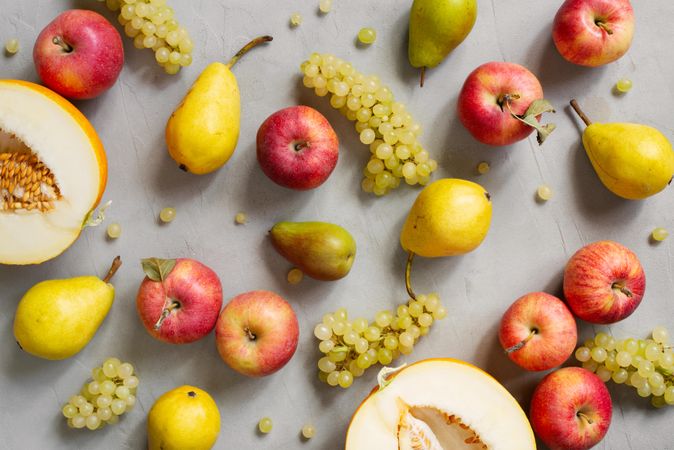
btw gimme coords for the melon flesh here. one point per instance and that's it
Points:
(440, 404)
(61, 144)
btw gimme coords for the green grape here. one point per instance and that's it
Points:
(624, 358)
(308, 431)
(406, 339)
(660, 335)
(659, 234)
(391, 342)
(167, 215)
(362, 345)
(669, 395)
(360, 325)
(367, 35)
(326, 346)
(598, 354)
(345, 379)
(69, 411)
(652, 351)
(624, 85)
(12, 46)
(372, 334)
(265, 425)
(620, 376)
(583, 354)
(601, 339)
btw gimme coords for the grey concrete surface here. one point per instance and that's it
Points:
(525, 250)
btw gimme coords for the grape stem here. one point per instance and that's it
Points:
(254, 43)
(408, 272)
(581, 114)
(522, 343)
(116, 263)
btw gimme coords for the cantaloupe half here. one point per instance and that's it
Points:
(440, 404)
(53, 172)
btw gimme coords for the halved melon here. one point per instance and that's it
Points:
(53, 172)
(440, 404)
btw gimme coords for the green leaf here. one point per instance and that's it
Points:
(157, 269)
(539, 107)
(536, 108)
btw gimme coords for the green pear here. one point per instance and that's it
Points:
(436, 28)
(323, 251)
(56, 319)
(449, 217)
(633, 161)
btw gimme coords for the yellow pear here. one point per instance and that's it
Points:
(449, 217)
(633, 161)
(203, 131)
(56, 319)
(185, 418)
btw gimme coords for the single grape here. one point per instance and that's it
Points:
(391, 342)
(652, 351)
(345, 379)
(122, 392)
(131, 382)
(660, 335)
(406, 339)
(78, 401)
(598, 354)
(604, 373)
(350, 337)
(583, 354)
(107, 387)
(103, 401)
(114, 230)
(118, 406)
(93, 422)
(69, 411)
(666, 360)
(295, 19)
(167, 215)
(86, 410)
(295, 275)
(669, 395)
(361, 346)
(601, 339)
(631, 346)
(79, 421)
(104, 413)
(624, 85)
(367, 35)
(265, 425)
(130, 402)
(620, 376)
(544, 192)
(440, 313)
(372, 334)
(646, 368)
(125, 370)
(94, 387)
(483, 168)
(12, 46)
(367, 136)
(590, 365)
(308, 431)
(325, 365)
(659, 234)
(383, 318)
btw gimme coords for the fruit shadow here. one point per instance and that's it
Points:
(406, 72)
(596, 203)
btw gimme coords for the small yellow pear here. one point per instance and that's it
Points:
(185, 418)
(56, 319)
(203, 131)
(449, 217)
(633, 161)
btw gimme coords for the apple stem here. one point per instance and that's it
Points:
(504, 100)
(113, 269)
(60, 42)
(250, 334)
(584, 416)
(601, 24)
(522, 343)
(581, 114)
(408, 272)
(301, 145)
(620, 286)
(165, 313)
(423, 76)
(254, 43)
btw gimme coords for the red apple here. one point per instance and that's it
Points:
(593, 32)
(604, 282)
(571, 409)
(538, 332)
(178, 304)
(257, 333)
(79, 54)
(483, 108)
(297, 148)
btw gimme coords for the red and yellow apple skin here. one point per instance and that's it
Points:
(555, 331)
(604, 282)
(92, 58)
(197, 293)
(482, 108)
(297, 148)
(257, 333)
(593, 32)
(571, 409)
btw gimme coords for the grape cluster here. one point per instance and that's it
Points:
(103, 399)
(151, 24)
(383, 123)
(351, 347)
(645, 364)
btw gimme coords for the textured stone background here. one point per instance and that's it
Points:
(525, 251)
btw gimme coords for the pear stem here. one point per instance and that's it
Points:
(581, 114)
(116, 263)
(522, 343)
(408, 272)
(254, 43)
(423, 76)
